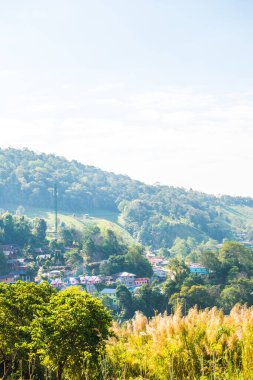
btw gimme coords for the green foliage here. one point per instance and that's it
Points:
(137, 263)
(180, 248)
(40, 230)
(73, 258)
(133, 261)
(178, 269)
(238, 291)
(19, 305)
(3, 263)
(100, 244)
(235, 254)
(149, 300)
(124, 302)
(154, 215)
(70, 331)
(41, 331)
(190, 296)
(229, 280)
(15, 230)
(67, 236)
(19, 230)
(113, 265)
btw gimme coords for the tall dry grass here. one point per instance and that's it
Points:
(201, 345)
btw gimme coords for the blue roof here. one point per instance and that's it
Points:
(108, 291)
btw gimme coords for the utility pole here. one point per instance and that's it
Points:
(55, 211)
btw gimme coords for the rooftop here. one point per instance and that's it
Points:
(108, 291)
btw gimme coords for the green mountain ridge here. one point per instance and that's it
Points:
(153, 215)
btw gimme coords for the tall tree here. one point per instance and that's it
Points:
(70, 332)
(40, 230)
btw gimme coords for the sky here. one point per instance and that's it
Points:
(160, 90)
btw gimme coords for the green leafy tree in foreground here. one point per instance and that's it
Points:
(19, 304)
(70, 332)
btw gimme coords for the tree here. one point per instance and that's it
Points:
(170, 287)
(149, 300)
(66, 236)
(133, 262)
(8, 225)
(73, 259)
(210, 260)
(113, 265)
(235, 254)
(70, 332)
(178, 269)
(136, 263)
(125, 302)
(180, 248)
(3, 263)
(191, 296)
(40, 230)
(238, 291)
(19, 304)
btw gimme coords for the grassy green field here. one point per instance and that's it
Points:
(240, 217)
(102, 219)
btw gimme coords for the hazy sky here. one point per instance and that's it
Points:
(161, 90)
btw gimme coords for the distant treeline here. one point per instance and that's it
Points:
(155, 215)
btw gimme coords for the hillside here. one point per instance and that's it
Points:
(154, 215)
(81, 223)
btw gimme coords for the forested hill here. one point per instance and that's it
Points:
(155, 215)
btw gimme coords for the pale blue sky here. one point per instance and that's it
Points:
(160, 90)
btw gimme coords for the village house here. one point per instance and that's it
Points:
(107, 280)
(111, 293)
(141, 281)
(22, 275)
(44, 256)
(10, 250)
(154, 260)
(39, 251)
(7, 279)
(125, 278)
(54, 273)
(160, 273)
(11, 253)
(196, 268)
(73, 280)
(90, 280)
(57, 283)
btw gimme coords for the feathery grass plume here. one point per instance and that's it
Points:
(204, 344)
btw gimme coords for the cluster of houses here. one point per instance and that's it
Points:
(130, 280)
(59, 278)
(90, 283)
(161, 271)
(159, 266)
(17, 265)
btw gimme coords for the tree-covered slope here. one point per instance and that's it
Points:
(155, 215)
